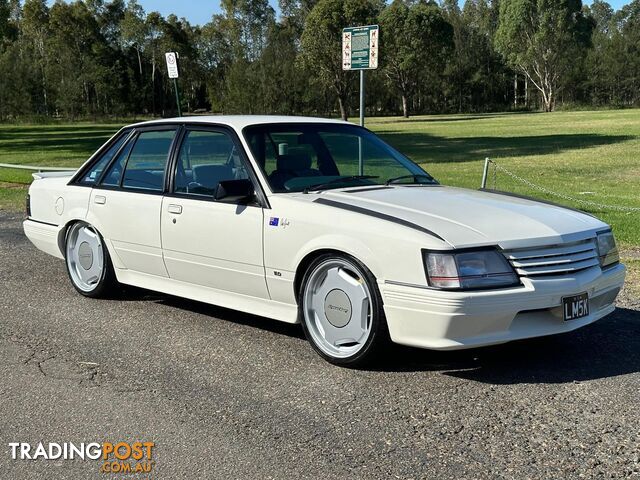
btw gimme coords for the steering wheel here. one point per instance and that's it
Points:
(192, 187)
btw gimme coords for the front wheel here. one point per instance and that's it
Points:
(88, 262)
(341, 310)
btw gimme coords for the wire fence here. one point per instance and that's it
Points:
(37, 168)
(580, 201)
(485, 180)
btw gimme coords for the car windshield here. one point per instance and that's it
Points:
(297, 157)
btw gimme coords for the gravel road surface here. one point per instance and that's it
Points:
(228, 395)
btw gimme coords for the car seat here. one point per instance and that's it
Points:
(290, 166)
(210, 175)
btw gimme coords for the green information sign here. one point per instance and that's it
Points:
(360, 48)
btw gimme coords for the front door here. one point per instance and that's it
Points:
(207, 242)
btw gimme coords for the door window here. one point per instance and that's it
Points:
(148, 160)
(207, 158)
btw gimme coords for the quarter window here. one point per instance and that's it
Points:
(114, 174)
(207, 158)
(92, 176)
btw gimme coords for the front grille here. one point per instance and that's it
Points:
(555, 259)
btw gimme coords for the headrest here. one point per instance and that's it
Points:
(210, 175)
(294, 162)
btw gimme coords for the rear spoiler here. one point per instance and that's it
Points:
(41, 175)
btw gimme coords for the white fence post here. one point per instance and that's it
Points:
(485, 173)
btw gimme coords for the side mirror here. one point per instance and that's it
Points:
(235, 191)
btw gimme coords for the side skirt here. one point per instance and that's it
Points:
(283, 312)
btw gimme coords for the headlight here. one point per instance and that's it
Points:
(607, 249)
(469, 270)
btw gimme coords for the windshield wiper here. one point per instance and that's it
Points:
(322, 186)
(415, 177)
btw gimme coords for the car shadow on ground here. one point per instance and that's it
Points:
(607, 348)
(216, 313)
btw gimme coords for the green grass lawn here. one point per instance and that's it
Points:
(67, 145)
(589, 155)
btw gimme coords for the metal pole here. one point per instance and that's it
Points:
(485, 172)
(360, 159)
(362, 98)
(175, 86)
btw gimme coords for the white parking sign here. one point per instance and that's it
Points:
(172, 64)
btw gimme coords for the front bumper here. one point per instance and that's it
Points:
(441, 320)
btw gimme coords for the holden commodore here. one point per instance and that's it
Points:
(322, 223)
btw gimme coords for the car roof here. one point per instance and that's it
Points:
(240, 121)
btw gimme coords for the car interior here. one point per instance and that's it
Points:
(205, 159)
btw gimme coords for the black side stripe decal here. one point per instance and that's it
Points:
(42, 223)
(382, 216)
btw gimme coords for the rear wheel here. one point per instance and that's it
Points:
(88, 262)
(341, 310)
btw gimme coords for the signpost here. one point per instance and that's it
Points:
(360, 52)
(174, 73)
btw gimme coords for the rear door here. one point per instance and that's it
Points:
(125, 204)
(207, 242)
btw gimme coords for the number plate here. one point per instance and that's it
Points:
(576, 306)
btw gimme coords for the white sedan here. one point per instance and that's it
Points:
(321, 222)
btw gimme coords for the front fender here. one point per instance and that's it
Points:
(281, 271)
(342, 243)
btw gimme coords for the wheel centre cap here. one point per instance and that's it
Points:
(337, 308)
(85, 255)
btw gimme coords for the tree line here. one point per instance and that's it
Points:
(106, 58)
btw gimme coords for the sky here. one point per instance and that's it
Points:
(199, 12)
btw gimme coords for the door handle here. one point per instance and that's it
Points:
(177, 209)
(100, 199)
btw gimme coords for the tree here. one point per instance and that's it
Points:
(106, 57)
(215, 58)
(36, 32)
(79, 67)
(277, 68)
(322, 42)
(601, 61)
(628, 45)
(134, 29)
(416, 39)
(5, 24)
(541, 39)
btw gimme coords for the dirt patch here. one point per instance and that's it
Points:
(632, 253)
(14, 186)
